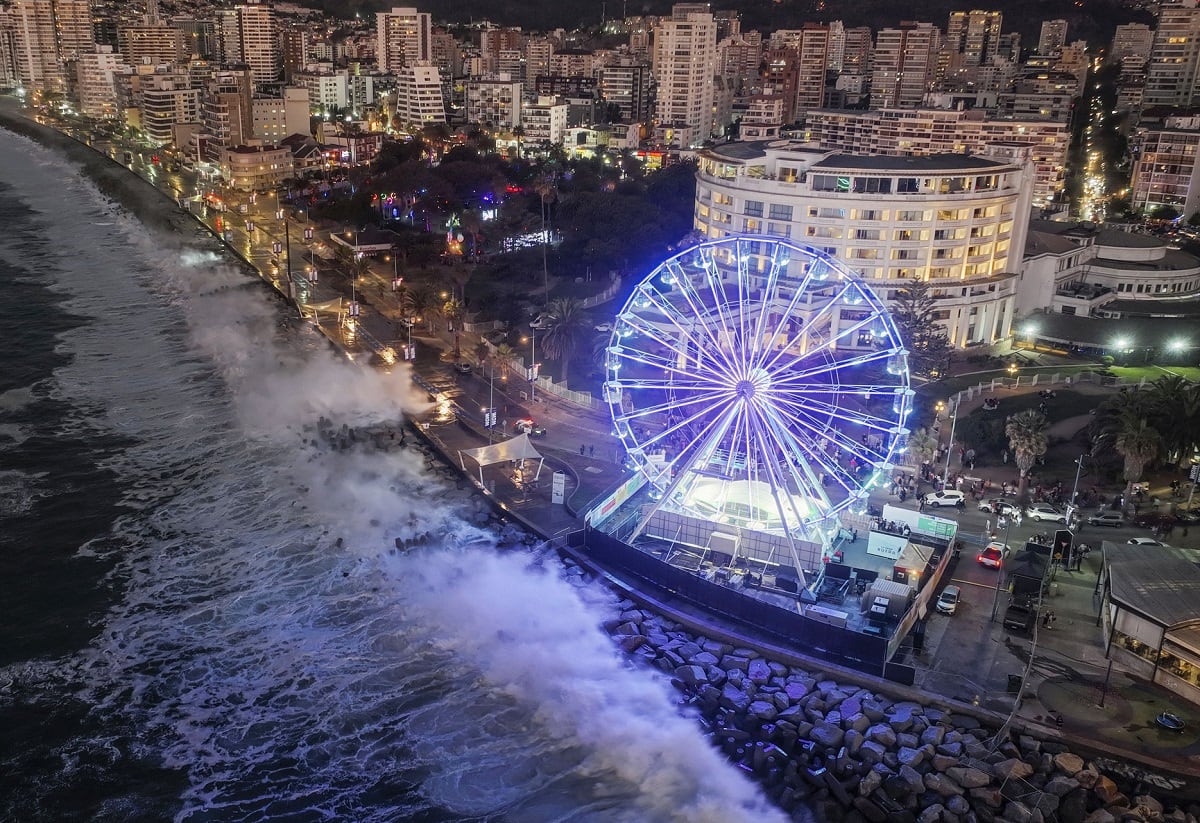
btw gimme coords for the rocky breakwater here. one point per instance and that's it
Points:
(853, 754)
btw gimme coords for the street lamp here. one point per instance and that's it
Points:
(950, 446)
(1074, 489)
(531, 372)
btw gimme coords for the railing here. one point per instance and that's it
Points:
(604, 296)
(1053, 379)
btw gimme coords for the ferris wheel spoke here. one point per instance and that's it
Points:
(687, 384)
(668, 406)
(827, 344)
(774, 481)
(687, 380)
(670, 430)
(807, 325)
(798, 469)
(826, 368)
(813, 406)
(702, 312)
(779, 260)
(684, 325)
(844, 442)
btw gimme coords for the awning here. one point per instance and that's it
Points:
(515, 448)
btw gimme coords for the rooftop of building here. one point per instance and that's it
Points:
(924, 163)
(1100, 332)
(756, 149)
(1159, 582)
(1188, 306)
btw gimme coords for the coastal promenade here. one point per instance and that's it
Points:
(1065, 683)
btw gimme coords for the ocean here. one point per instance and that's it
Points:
(201, 614)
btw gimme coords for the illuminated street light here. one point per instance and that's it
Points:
(1121, 343)
(1176, 346)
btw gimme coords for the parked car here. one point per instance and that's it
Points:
(541, 321)
(1113, 519)
(947, 602)
(603, 327)
(1154, 520)
(992, 555)
(1021, 614)
(946, 497)
(1040, 512)
(527, 426)
(1146, 541)
(462, 367)
(998, 506)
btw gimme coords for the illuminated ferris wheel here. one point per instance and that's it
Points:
(758, 383)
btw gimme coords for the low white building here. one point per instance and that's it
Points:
(255, 168)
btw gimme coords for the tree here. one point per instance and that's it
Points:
(1164, 212)
(567, 325)
(426, 304)
(923, 446)
(1175, 412)
(913, 309)
(1027, 436)
(1138, 443)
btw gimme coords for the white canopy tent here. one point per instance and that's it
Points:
(515, 448)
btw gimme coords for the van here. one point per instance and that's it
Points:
(948, 601)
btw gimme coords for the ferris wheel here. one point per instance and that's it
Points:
(760, 384)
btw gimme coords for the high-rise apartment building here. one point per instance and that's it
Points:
(626, 85)
(97, 90)
(249, 36)
(419, 98)
(1052, 37)
(1131, 39)
(404, 37)
(813, 54)
(1167, 169)
(685, 62)
(905, 62)
(494, 99)
(919, 132)
(48, 36)
(1171, 74)
(154, 43)
(973, 34)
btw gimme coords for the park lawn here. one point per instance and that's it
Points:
(1152, 373)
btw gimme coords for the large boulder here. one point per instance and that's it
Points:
(827, 734)
(1108, 792)
(912, 778)
(882, 734)
(759, 672)
(911, 757)
(734, 698)
(968, 777)
(1012, 769)
(1069, 764)
(942, 784)
(763, 710)
(1017, 812)
(691, 675)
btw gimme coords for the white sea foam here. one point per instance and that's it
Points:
(270, 643)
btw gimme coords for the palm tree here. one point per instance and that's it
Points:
(1175, 411)
(505, 354)
(426, 304)
(1027, 437)
(546, 187)
(923, 446)
(483, 352)
(453, 310)
(567, 324)
(1135, 439)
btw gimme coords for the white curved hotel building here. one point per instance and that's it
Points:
(956, 221)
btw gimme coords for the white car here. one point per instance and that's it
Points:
(541, 321)
(603, 327)
(1146, 541)
(1042, 512)
(948, 601)
(946, 497)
